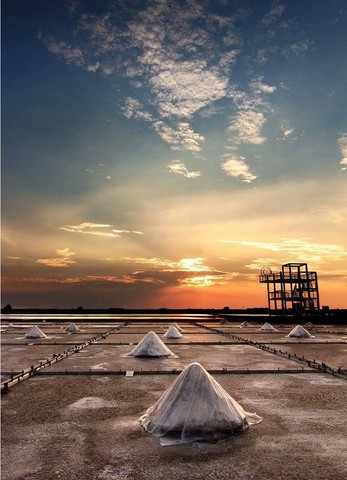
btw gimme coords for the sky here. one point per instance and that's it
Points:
(160, 153)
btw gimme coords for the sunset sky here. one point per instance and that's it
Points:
(159, 153)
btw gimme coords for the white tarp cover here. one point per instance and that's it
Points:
(196, 407)
(35, 332)
(244, 325)
(72, 328)
(267, 327)
(172, 333)
(151, 346)
(300, 332)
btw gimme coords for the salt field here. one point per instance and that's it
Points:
(76, 413)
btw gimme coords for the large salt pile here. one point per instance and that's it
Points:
(72, 328)
(267, 327)
(172, 333)
(35, 332)
(300, 332)
(196, 407)
(244, 325)
(151, 346)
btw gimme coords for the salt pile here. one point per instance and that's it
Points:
(299, 332)
(244, 325)
(196, 407)
(224, 321)
(72, 328)
(267, 327)
(172, 333)
(35, 332)
(308, 324)
(151, 346)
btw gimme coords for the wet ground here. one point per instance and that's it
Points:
(65, 423)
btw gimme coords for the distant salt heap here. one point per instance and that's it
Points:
(151, 346)
(267, 327)
(308, 324)
(172, 333)
(244, 325)
(300, 332)
(224, 321)
(196, 407)
(35, 332)
(72, 328)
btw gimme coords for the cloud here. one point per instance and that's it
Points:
(286, 132)
(134, 109)
(247, 123)
(299, 48)
(273, 15)
(301, 249)
(183, 265)
(235, 166)
(182, 137)
(62, 261)
(259, 263)
(178, 167)
(342, 143)
(89, 229)
(246, 127)
(183, 88)
(203, 281)
(88, 279)
(187, 272)
(103, 230)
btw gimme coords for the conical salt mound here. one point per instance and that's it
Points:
(195, 407)
(151, 346)
(177, 326)
(72, 328)
(244, 325)
(300, 332)
(172, 333)
(267, 327)
(308, 324)
(35, 332)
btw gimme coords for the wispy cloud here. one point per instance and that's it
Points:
(134, 109)
(178, 167)
(235, 166)
(246, 127)
(210, 280)
(299, 48)
(103, 230)
(287, 132)
(62, 261)
(187, 272)
(275, 12)
(180, 137)
(342, 142)
(302, 249)
(259, 263)
(185, 264)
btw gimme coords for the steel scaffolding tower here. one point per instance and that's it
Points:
(293, 290)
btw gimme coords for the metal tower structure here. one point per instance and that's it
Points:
(293, 290)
